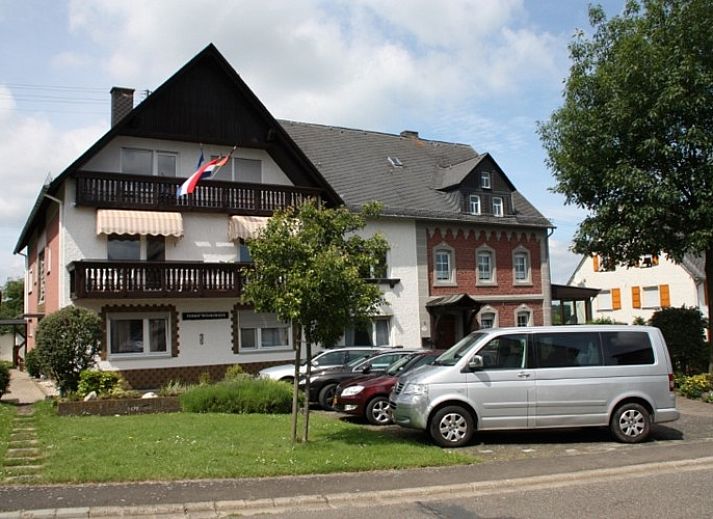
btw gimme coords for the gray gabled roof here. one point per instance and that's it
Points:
(356, 164)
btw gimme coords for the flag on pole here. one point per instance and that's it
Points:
(200, 159)
(207, 170)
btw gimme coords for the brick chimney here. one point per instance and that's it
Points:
(122, 102)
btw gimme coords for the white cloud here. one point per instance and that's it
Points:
(562, 261)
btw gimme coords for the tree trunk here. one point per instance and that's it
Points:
(305, 433)
(708, 287)
(297, 338)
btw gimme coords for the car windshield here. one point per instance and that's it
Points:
(398, 366)
(456, 352)
(354, 363)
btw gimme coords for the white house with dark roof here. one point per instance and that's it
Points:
(165, 273)
(626, 293)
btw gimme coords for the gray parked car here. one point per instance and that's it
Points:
(335, 357)
(545, 377)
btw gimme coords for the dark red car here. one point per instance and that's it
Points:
(369, 397)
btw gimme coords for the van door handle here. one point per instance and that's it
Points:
(523, 374)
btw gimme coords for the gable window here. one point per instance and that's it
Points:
(485, 179)
(443, 266)
(498, 206)
(166, 164)
(136, 161)
(247, 170)
(648, 261)
(145, 334)
(521, 266)
(486, 266)
(474, 204)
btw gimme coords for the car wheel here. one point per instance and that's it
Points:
(289, 380)
(631, 423)
(378, 411)
(452, 426)
(326, 395)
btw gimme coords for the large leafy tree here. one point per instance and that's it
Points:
(309, 269)
(13, 300)
(633, 141)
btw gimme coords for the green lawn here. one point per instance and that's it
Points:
(6, 414)
(186, 445)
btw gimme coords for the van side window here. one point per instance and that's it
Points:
(504, 352)
(566, 350)
(627, 348)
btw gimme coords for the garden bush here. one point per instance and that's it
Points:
(694, 386)
(103, 382)
(683, 328)
(244, 395)
(235, 372)
(67, 341)
(33, 363)
(4, 376)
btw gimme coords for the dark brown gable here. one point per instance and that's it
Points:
(499, 182)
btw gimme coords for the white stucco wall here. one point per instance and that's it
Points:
(682, 288)
(401, 262)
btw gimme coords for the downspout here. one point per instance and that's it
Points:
(546, 279)
(60, 244)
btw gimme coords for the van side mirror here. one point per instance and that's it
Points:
(475, 363)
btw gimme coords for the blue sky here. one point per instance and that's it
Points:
(481, 72)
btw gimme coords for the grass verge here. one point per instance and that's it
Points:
(195, 446)
(7, 412)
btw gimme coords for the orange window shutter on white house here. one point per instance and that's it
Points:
(665, 296)
(595, 263)
(615, 299)
(636, 297)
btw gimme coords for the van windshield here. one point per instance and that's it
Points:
(456, 352)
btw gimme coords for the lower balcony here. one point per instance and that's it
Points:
(97, 279)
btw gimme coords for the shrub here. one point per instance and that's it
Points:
(604, 320)
(33, 363)
(103, 382)
(173, 388)
(694, 386)
(4, 376)
(683, 328)
(235, 372)
(204, 378)
(244, 395)
(67, 341)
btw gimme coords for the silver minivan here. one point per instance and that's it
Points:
(542, 377)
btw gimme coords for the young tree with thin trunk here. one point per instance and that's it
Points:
(633, 141)
(309, 269)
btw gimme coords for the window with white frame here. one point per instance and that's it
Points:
(443, 262)
(474, 204)
(485, 179)
(376, 332)
(498, 206)
(522, 317)
(247, 170)
(488, 319)
(140, 334)
(486, 266)
(166, 164)
(136, 161)
(41, 274)
(262, 331)
(521, 266)
(604, 300)
(650, 297)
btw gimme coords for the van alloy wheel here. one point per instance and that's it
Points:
(451, 426)
(631, 423)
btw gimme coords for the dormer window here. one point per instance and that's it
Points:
(485, 180)
(474, 204)
(498, 206)
(395, 162)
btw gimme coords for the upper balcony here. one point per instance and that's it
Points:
(150, 193)
(100, 279)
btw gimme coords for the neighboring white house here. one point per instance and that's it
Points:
(630, 292)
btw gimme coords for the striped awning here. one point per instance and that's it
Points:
(245, 227)
(155, 223)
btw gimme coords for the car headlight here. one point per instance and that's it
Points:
(415, 390)
(352, 390)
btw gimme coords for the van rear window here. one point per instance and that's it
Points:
(627, 348)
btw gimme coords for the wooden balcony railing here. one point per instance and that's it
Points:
(119, 191)
(147, 279)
